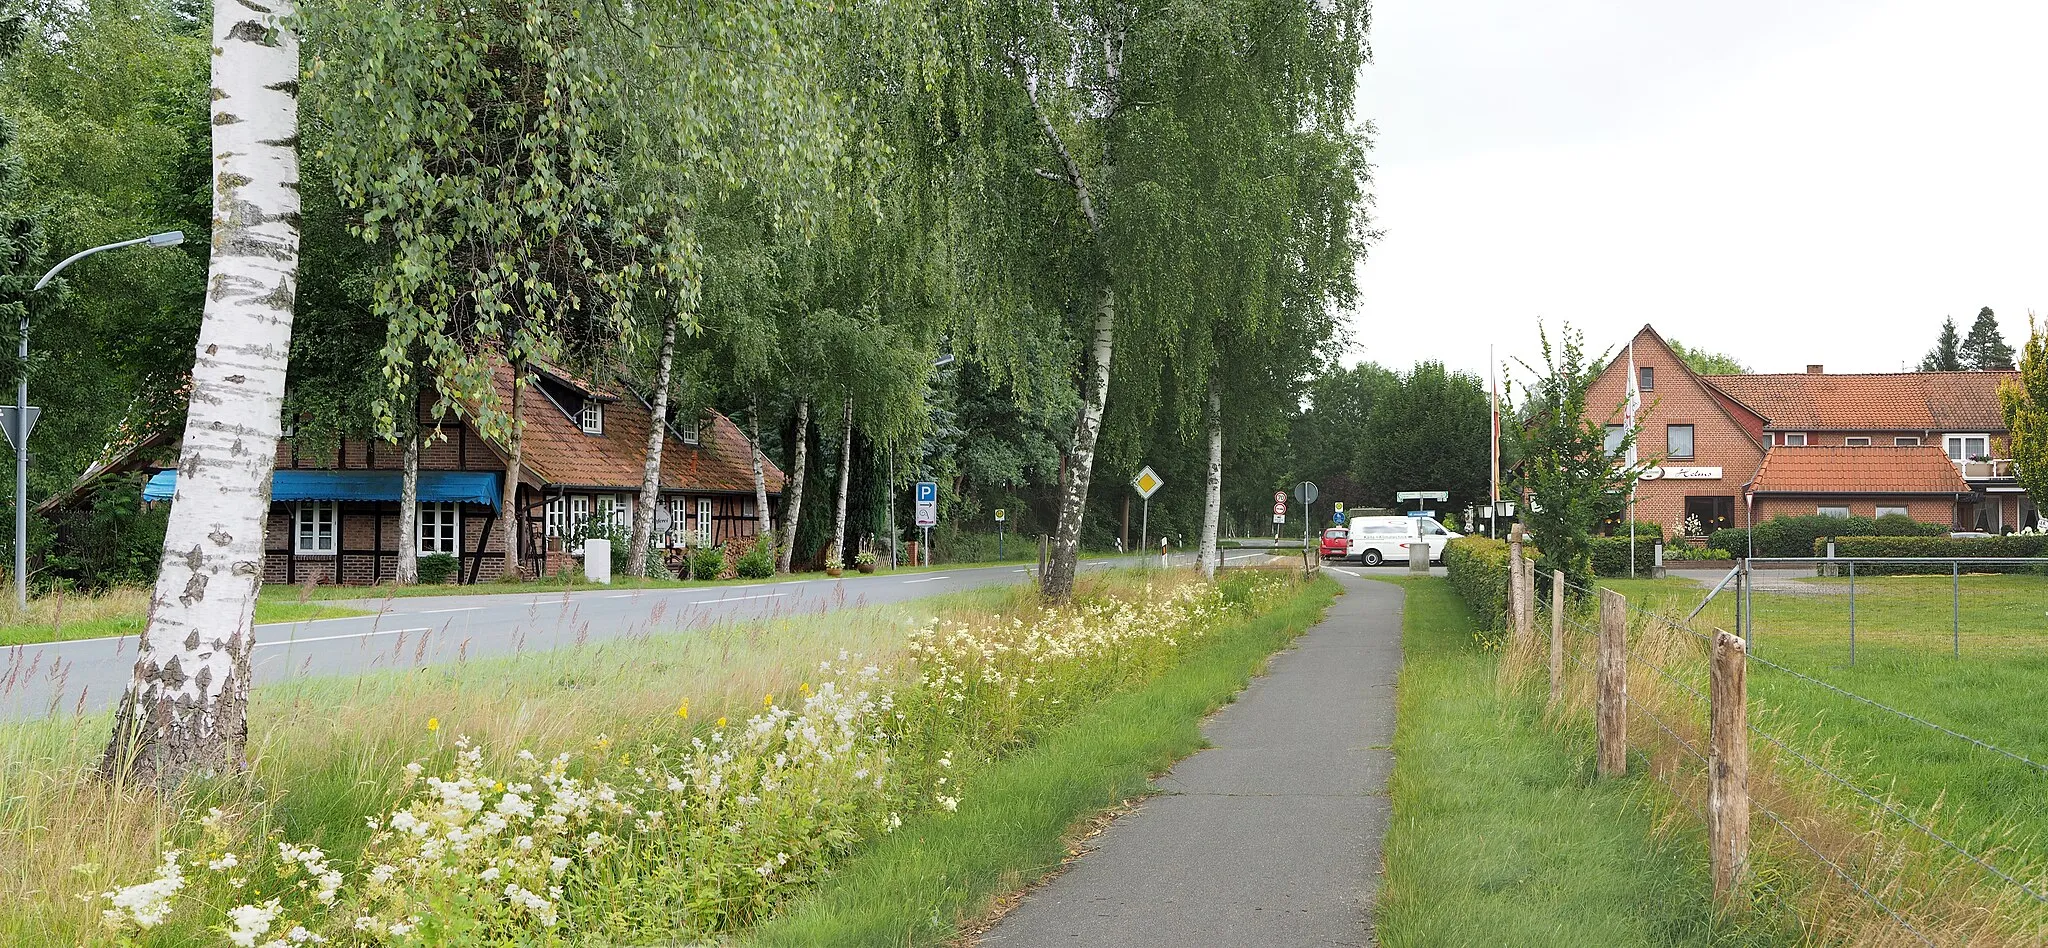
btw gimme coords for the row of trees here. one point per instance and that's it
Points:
(1133, 221)
(1984, 349)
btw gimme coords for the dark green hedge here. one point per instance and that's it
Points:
(1478, 569)
(1795, 536)
(1610, 555)
(2035, 545)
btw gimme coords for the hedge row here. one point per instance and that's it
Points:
(1478, 570)
(1795, 536)
(1610, 555)
(2015, 545)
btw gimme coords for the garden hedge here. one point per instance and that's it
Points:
(1795, 536)
(1478, 569)
(2014, 545)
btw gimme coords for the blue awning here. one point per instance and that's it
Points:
(467, 487)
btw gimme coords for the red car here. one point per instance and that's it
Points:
(1334, 543)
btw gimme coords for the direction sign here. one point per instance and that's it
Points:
(927, 513)
(1147, 482)
(1002, 515)
(1408, 495)
(927, 492)
(1305, 492)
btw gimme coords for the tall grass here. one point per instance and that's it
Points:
(120, 610)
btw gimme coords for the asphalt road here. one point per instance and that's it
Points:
(89, 674)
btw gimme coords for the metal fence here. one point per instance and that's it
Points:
(1856, 573)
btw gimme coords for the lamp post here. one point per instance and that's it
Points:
(18, 431)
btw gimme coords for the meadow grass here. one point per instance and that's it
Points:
(63, 617)
(1500, 833)
(922, 884)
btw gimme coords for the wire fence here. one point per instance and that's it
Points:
(1670, 697)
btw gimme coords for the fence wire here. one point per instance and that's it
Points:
(1843, 874)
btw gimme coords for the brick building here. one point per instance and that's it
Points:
(334, 507)
(1929, 445)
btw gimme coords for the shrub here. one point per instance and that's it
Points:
(1478, 569)
(758, 562)
(706, 562)
(1610, 555)
(1795, 536)
(435, 568)
(1645, 530)
(2014, 545)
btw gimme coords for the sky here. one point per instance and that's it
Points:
(1790, 183)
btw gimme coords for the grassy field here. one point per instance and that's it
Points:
(1500, 833)
(120, 611)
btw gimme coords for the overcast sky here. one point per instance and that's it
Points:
(1819, 181)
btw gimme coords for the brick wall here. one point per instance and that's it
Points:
(1936, 510)
(1677, 397)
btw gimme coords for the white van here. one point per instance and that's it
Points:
(1376, 540)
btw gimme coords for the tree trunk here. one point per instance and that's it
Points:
(1212, 505)
(509, 506)
(409, 507)
(1066, 545)
(838, 548)
(793, 486)
(650, 476)
(186, 709)
(764, 525)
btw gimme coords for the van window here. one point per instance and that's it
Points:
(1431, 528)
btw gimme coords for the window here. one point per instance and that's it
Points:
(622, 511)
(1856, 442)
(579, 518)
(1894, 512)
(591, 419)
(1795, 439)
(1832, 511)
(440, 527)
(1906, 442)
(678, 517)
(1646, 378)
(1710, 512)
(1678, 441)
(703, 521)
(313, 528)
(1771, 440)
(1963, 447)
(693, 432)
(1615, 433)
(558, 515)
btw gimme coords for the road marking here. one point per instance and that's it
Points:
(428, 612)
(927, 579)
(622, 595)
(701, 602)
(347, 635)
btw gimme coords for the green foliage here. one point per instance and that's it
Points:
(1985, 347)
(2011, 545)
(2025, 401)
(758, 562)
(1706, 362)
(1427, 431)
(110, 539)
(1478, 569)
(1610, 555)
(706, 562)
(1796, 536)
(1947, 354)
(1564, 463)
(437, 568)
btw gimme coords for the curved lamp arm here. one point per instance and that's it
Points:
(166, 239)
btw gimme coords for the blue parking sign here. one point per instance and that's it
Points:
(927, 492)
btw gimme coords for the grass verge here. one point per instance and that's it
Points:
(1501, 835)
(120, 612)
(917, 886)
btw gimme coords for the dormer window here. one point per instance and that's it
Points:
(591, 418)
(693, 432)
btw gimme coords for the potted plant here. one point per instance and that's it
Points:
(1979, 465)
(864, 561)
(833, 565)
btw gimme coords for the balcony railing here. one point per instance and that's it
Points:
(1994, 469)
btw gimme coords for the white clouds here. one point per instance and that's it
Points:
(1813, 187)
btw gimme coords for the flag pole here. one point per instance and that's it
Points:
(1493, 434)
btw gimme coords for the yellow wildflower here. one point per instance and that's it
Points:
(804, 688)
(433, 724)
(683, 711)
(768, 701)
(721, 721)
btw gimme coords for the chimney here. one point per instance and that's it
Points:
(1815, 369)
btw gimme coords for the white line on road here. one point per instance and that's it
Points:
(701, 602)
(622, 595)
(346, 635)
(927, 579)
(428, 612)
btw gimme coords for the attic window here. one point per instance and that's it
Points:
(1646, 378)
(591, 418)
(692, 432)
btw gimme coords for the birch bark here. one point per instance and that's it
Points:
(408, 571)
(838, 549)
(764, 525)
(657, 433)
(1212, 502)
(509, 505)
(185, 711)
(793, 487)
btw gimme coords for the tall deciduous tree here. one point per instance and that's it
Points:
(1708, 362)
(1947, 354)
(1985, 348)
(2025, 400)
(186, 710)
(1574, 484)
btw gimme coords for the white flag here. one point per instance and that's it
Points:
(1634, 403)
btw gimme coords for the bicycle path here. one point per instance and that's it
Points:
(1269, 838)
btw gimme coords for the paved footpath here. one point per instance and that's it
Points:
(1270, 838)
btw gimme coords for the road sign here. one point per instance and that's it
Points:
(1338, 518)
(7, 420)
(1147, 482)
(1001, 515)
(1279, 518)
(1408, 495)
(927, 492)
(1421, 513)
(1279, 496)
(1305, 492)
(1338, 506)
(927, 513)
(1280, 510)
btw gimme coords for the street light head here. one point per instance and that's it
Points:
(170, 238)
(943, 361)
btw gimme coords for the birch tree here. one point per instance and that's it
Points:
(185, 711)
(657, 436)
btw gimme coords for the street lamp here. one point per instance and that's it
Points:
(19, 425)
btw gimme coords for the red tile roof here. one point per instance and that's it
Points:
(558, 451)
(1899, 401)
(1832, 469)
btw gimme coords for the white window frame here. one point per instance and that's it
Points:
(445, 533)
(703, 521)
(1646, 378)
(622, 511)
(1888, 511)
(1692, 436)
(557, 516)
(1789, 435)
(591, 417)
(693, 433)
(1770, 439)
(678, 521)
(1615, 435)
(1831, 510)
(1858, 441)
(579, 515)
(1906, 441)
(310, 536)
(1948, 444)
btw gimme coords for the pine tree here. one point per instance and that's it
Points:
(1985, 349)
(1946, 356)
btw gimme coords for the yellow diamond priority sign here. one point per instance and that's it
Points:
(1147, 482)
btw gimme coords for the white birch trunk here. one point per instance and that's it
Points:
(838, 549)
(1066, 543)
(657, 434)
(408, 572)
(509, 503)
(185, 712)
(793, 487)
(764, 525)
(1212, 502)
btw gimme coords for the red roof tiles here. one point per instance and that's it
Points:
(557, 450)
(1832, 469)
(1900, 401)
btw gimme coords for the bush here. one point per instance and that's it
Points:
(2019, 545)
(758, 562)
(1795, 536)
(436, 568)
(1645, 530)
(1610, 555)
(706, 562)
(1478, 569)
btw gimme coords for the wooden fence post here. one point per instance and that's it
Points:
(1612, 700)
(1556, 634)
(1728, 764)
(1514, 603)
(1520, 573)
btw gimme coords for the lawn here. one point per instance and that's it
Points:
(1501, 835)
(120, 612)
